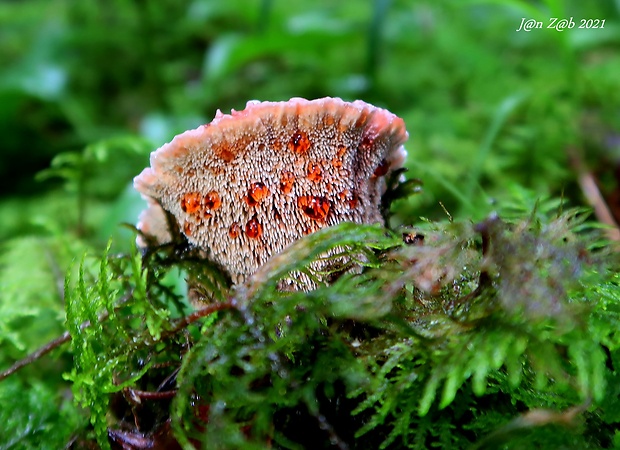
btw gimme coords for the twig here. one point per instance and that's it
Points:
(196, 315)
(593, 195)
(66, 337)
(137, 396)
(530, 419)
(42, 351)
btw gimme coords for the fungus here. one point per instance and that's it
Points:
(232, 183)
(153, 225)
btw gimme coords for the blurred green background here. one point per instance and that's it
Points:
(490, 111)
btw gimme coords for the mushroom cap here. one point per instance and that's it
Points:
(153, 224)
(246, 185)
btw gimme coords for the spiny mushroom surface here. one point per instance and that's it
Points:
(248, 184)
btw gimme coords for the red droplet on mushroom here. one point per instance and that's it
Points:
(234, 230)
(382, 168)
(253, 229)
(348, 197)
(287, 179)
(190, 202)
(257, 193)
(315, 173)
(314, 207)
(225, 154)
(187, 229)
(299, 142)
(212, 201)
(353, 200)
(367, 143)
(337, 160)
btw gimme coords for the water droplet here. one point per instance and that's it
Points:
(190, 203)
(315, 173)
(299, 142)
(348, 197)
(367, 143)
(314, 207)
(256, 193)
(287, 179)
(212, 201)
(353, 201)
(336, 163)
(382, 168)
(253, 228)
(234, 230)
(225, 154)
(187, 229)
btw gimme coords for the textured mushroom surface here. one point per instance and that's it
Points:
(249, 183)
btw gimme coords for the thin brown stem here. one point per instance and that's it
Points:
(150, 395)
(595, 198)
(66, 337)
(196, 315)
